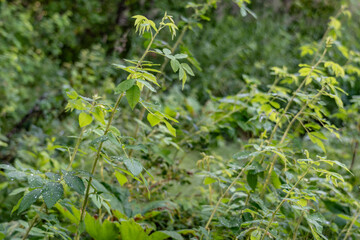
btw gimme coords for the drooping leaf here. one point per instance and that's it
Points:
(29, 199)
(75, 183)
(133, 96)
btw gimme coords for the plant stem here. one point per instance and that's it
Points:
(352, 224)
(87, 193)
(297, 225)
(275, 156)
(282, 202)
(32, 223)
(76, 148)
(295, 93)
(226, 191)
(142, 113)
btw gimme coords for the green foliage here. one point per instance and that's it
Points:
(267, 98)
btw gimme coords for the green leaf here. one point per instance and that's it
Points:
(72, 94)
(35, 181)
(52, 193)
(180, 56)
(16, 207)
(209, 180)
(252, 179)
(75, 183)
(161, 235)
(29, 199)
(317, 141)
(170, 128)
(153, 119)
(124, 86)
(181, 73)
(175, 65)
(148, 85)
(275, 180)
(133, 96)
(99, 115)
(133, 166)
(167, 51)
(84, 119)
(187, 69)
(130, 230)
(121, 178)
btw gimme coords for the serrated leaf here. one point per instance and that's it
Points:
(133, 166)
(35, 181)
(124, 86)
(52, 192)
(75, 183)
(29, 199)
(133, 96)
(84, 119)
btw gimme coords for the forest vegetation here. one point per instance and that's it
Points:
(210, 119)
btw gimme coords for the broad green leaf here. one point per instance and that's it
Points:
(29, 199)
(252, 179)
(84, 119)
(133, 166)
(167, 51)
(52, 192)
(35, 181)
(16, 207)
(99, 115)
(121, 178)
(130, 230)
(133, 96)
(209, 180)
(175, 65)
(275, 180)
(153, 119)
(75, 183)
(124, 86)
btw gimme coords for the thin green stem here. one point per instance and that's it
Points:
(32, 223)
(76, 148)
(283, 201)
(352, 224)
(147, 96)
(298, 225)
(87, 193)
(275, 156)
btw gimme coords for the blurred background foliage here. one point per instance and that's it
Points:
(49, 47)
